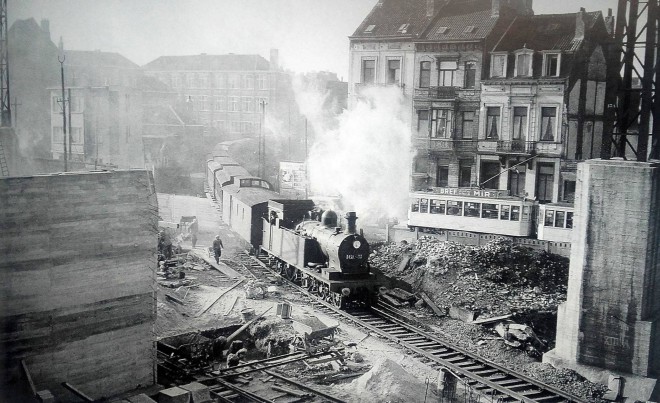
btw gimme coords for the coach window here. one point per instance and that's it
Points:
(423, 205)
(256, 182)
(472, 209)
(414, 206)
(490, 211)
(559, 219)
(505, 213)
(454, 207)
(515, 213)
(569, 219)
(437, 206)
(525, 213)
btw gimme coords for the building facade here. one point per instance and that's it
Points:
(226, 94)
(500, 99)
(104, 112)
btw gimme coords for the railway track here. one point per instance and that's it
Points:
(487, 380)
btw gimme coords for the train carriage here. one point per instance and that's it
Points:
(243, 209)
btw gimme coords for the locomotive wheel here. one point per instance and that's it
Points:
(338, 300)
(290, 272)
(323, 292)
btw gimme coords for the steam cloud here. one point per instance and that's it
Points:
(364, 155)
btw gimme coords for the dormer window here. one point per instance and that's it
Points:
(469, 29)
(498, 65)
(442, 30)
(404, 28)
(523, 67)
(369, 29)
(551, 63)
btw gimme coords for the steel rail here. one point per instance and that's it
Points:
(444, 344)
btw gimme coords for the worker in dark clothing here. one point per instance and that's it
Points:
(193, 229)
(165, 244)
(234, 359)
(217, 248)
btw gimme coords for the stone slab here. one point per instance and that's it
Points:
(198, 393)
(174, 395)
(141, 398)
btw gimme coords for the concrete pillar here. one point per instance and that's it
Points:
(610, 319)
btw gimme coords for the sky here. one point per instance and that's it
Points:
(311, 35)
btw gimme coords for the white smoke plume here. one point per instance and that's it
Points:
(364, 155)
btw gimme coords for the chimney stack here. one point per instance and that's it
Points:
(274, 59)
(495, 8)
(609, 22)
(351, 218)
(580, 25)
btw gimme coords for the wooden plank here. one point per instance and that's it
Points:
(236, 284)
(432, 304)
(491, 320)
(231, 306)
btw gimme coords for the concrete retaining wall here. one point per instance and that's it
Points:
(77, 257)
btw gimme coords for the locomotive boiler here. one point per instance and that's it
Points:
(328, 260)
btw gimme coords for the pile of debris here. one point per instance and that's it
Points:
(493, 280)
(388, 381)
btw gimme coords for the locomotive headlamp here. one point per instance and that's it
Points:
(346, 292)
(357, 244)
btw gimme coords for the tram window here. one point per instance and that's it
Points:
(559, 219)
(515, 213)
(549, 218)
(424, 206)
(414, 206)
(525, 214)
(490, 211)
(505, 213)
(437, 206)
(569, 219)
(454, 207)
(472, 209)
(256, 182)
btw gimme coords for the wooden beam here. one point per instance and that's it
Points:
(28, 377)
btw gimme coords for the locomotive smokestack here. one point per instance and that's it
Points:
(351, 218)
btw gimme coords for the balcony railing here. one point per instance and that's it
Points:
(436, 93)
(507, 146)
(452, 145)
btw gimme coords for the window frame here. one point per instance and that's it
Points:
(396, 80)
(421, 75)
(443, 73)
(363, 70)
(448, 125)
(466, 76)
(546, 56)
(505, 57)
(525, 133)
(530, 67)
(555, 127)
(487, 122)
(463, 120)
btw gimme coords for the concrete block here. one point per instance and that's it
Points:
(174, 395)
(198, 393)
(45, 396)
(462, 314)
(141, 398)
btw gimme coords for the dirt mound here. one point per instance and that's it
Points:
(387, 381)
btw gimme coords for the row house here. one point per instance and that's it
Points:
(382, 49)
(542, 105)
(451, 61)
(226, 94)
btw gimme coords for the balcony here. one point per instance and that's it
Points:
(507, 146)
(548, 148)
(437, 93)
(452, 145)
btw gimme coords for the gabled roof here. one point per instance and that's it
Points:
(389, 16)
(456, 18)
(251, 196)
(206, 62)
(96, 58)
(546, 32)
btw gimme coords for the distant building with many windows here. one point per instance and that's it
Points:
(226, 94)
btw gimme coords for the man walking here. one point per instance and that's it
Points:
(217, 248)
(193, 228)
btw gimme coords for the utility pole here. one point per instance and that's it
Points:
(5, 98)
(70, 131)
(306, 168)
(15, 105)
(61, 60)
(262, 142)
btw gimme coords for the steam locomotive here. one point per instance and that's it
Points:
(305, 246)
(318, 255)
